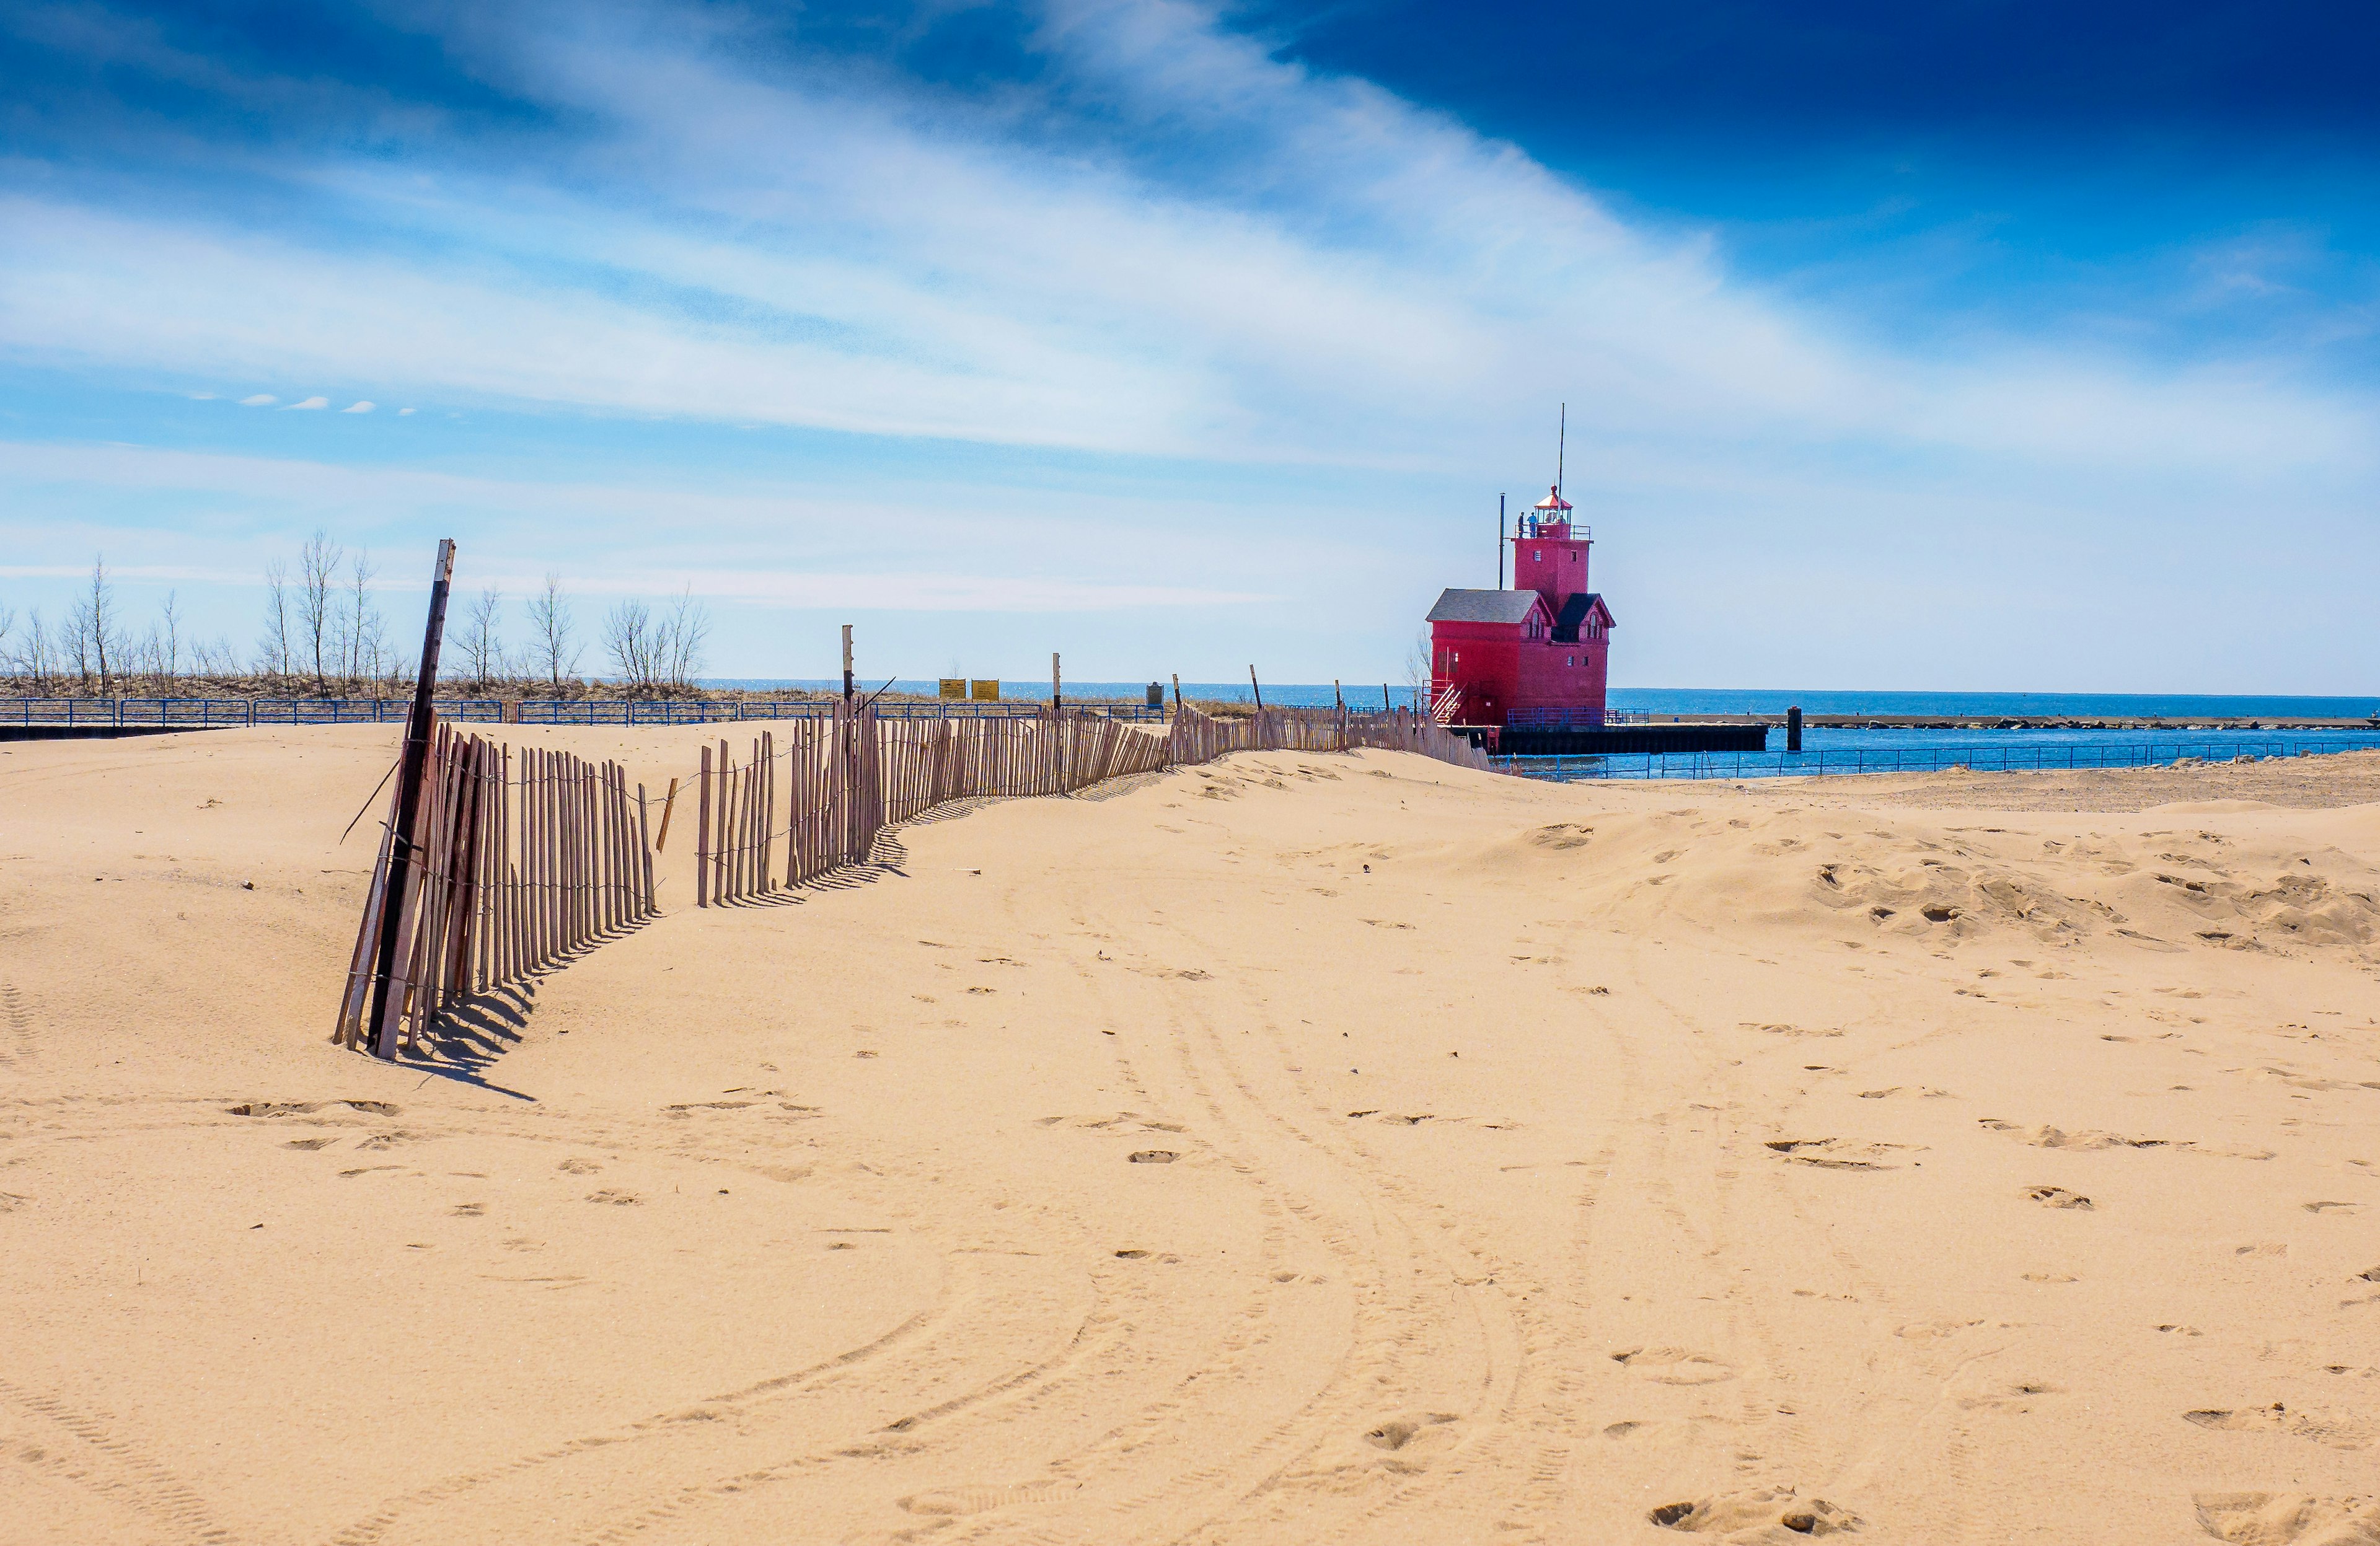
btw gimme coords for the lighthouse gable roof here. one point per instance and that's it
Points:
(1576, 611)
(1485, 606)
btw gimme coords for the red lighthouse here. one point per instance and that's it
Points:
(1533, 657)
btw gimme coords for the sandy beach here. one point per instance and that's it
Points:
(1299, 1149)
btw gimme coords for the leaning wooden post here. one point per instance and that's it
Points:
(669, 804)
(409, 799)
(701, 837)
(645, 853)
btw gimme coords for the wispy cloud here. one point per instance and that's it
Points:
(1346, 278)
(258, 400)
(1204, 282)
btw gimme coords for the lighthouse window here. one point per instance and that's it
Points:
(1537, 558)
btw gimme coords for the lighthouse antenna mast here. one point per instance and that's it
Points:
(1561, 448)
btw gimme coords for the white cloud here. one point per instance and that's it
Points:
(308, 402)
(1343, 279)
(1391, 288)
(262, 400)
(804, 551)
(202, 397)
(359, 408)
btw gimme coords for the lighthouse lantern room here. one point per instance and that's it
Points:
(1536, 657)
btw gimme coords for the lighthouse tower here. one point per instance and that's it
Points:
(1549, 554)
(1536, 657)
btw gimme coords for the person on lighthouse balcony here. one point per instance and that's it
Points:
(1535, 656)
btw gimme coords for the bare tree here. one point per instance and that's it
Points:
(363, 633)
(483, 646)
(630, 640)
(554, 647)
(317, 600)
(318, 578)
(274, 648)
(689, 636)
(212, 659)
(169, 637)
(143, 657)
(94, 630)
(1418, 662)
(36, 653)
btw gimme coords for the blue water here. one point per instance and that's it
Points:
(1995, 705)
(2178, 708)
(1817, 739)
(1851, 752)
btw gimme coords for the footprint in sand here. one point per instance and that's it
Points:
(1838, 1153)
(2058, 1197)
(1731, 1513)
(2042, 1136)
(299, 1108)
(1657, 1430)
(2017, 1396)
(2319, 1427)
(1675, 1366)
(1397, 1432)
(2288, 1518)
(20, 1025)
(950, 1500)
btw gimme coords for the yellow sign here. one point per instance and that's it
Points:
(953, 686)
(986, 692)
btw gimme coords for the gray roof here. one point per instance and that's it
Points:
(1574, 614)
(1482, 605)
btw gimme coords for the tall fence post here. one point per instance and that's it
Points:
(408, 802)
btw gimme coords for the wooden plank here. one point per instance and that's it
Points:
(669, 804)
(348, 1031)
(702, 837)
(644, 851)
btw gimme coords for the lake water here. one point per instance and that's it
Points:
(1730, 700)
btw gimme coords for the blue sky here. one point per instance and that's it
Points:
(1980, 345)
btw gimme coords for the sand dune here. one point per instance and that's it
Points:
(1299, 1149)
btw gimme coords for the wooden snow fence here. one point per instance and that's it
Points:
(1199, 738)
(520, 859)
(827, 787)
(1405, 731)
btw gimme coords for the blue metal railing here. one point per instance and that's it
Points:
(705, 711)
(227, 713)
(1915, 759)
(1573, 718)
